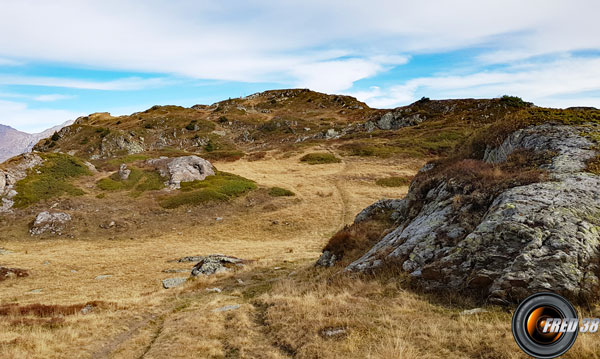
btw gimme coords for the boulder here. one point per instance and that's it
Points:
(183, 169)
(124, 172)
(216, 263)
(173, 282)
(50, 222)
(528, 238)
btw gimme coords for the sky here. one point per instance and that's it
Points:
(62, 59)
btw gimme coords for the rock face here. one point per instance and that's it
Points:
(53, 223)
(537, 237)
(12, 173)
(395, 119)
(216, 263)
(183, 169)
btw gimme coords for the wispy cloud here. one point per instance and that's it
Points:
(52, 97)
(554, 83)
(132, 83)
(261, 41)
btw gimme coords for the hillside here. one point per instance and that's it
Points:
(13, 142)
(230, 205)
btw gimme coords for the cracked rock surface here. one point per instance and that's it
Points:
(536, 237)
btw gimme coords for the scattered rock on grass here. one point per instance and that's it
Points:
(6, 273)
(333, 332)
(473, 311)
(213, 290)
(173, 282)
(216, 263)
(104, 276)
(47, 222)
(227, 308)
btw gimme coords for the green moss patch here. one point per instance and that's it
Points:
(50, 179)
(220, 187)
(394, 181)
(139, 181)
(280, 192)
(319, 158)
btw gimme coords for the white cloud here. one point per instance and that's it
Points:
(131, 83)
(325, 44)
(561, 83)
(18, 115)
(52, 97)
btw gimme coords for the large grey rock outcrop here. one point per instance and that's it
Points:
(183, 169)
(50, 222)
(396, 119)
(537, 237)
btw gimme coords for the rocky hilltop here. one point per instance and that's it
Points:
(515, 211)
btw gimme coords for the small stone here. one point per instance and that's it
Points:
(241, 282)
(46, 263)
(213, 290)
(333, 333)
(103, 276)
(173, 282)
(473, 311)
(219, 219)
(35, 291)
(87, 309)
(227, 308)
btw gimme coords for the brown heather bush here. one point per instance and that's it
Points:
(354, 240)
(45, 310)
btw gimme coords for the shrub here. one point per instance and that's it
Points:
(514, 101)
(55, 137)
(280, 192)
(191, 126)
(50, 179)
(394, 181)
(319, 158)
(354, 240)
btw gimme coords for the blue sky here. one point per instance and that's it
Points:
(66, 58)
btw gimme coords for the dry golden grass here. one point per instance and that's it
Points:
(285, 303)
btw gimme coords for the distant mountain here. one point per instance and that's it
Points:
(14, 142)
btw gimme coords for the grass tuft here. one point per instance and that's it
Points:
(319, 158)
(394, 181)
(280, 192)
